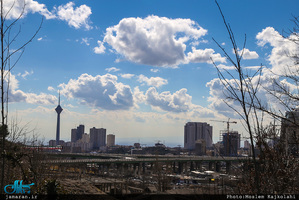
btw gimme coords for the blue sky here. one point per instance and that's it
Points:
(141, 69)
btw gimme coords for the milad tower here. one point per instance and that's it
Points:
(58, 109)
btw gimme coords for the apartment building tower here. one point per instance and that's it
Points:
(194, 131)
(110, 140)
(77, 133)
(97, 137)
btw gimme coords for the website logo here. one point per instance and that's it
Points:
(17, 188)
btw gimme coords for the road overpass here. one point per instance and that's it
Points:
(130, 159)
(139, 162)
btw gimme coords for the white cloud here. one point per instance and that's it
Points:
(219, 94)
(197, 42)
(26, 73)
(16, 8)
(76, 17)
(100, 49)
(248, 55)
(32, 98)
(50, 88)
(118, 60)
(202, 112)
(222, 67)
(179, 101)
(156, 41)
(127, 76)
(152, 81)
(204, 56)
(225, 67)
(282, 50)
(40, 39)
(139, 97)
(85, 41)
(112, 69)
(218, 97)
(253, 67)
(154, 70)
(17, 95)
(99, 91)
(70, 106)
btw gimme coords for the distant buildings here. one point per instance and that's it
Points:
(290, 132)
(231, 143)
(247, 144)
(77, 133)
(52, 143)
(200, 147)
(97, 137)
(110, 140)
(137, 145)
(196, 131)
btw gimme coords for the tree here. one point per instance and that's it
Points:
(273, 170)
(9, 59)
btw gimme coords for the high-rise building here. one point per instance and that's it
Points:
(110, 140)
(200, 147)
(97, 137)
(77, 133)
(83, 143)
(58, 110)
(231, 143)
(74, 135)
(290, 132)
(195, 131)
(247, 144)
(80, 131)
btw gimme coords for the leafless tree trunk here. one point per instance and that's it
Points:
(242, 91)
(273, 171)
(8, 37)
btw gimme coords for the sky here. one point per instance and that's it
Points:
(139, 68)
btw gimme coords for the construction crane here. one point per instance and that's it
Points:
(227, 138)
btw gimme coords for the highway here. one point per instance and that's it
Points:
(148, 160)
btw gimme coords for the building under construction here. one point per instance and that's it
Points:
(231, 142)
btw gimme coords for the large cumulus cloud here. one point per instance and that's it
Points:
(76, 17)
(100, 91)
(152, 81)
(283, 50)
(13, 9)
(156, 41)
(179, 101)
(272, 85)
(15, 94)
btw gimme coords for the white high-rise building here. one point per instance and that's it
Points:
(110, 140)
(195, 131)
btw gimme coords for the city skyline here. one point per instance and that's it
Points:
(139, 69)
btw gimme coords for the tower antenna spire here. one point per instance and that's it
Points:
(59, 98)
